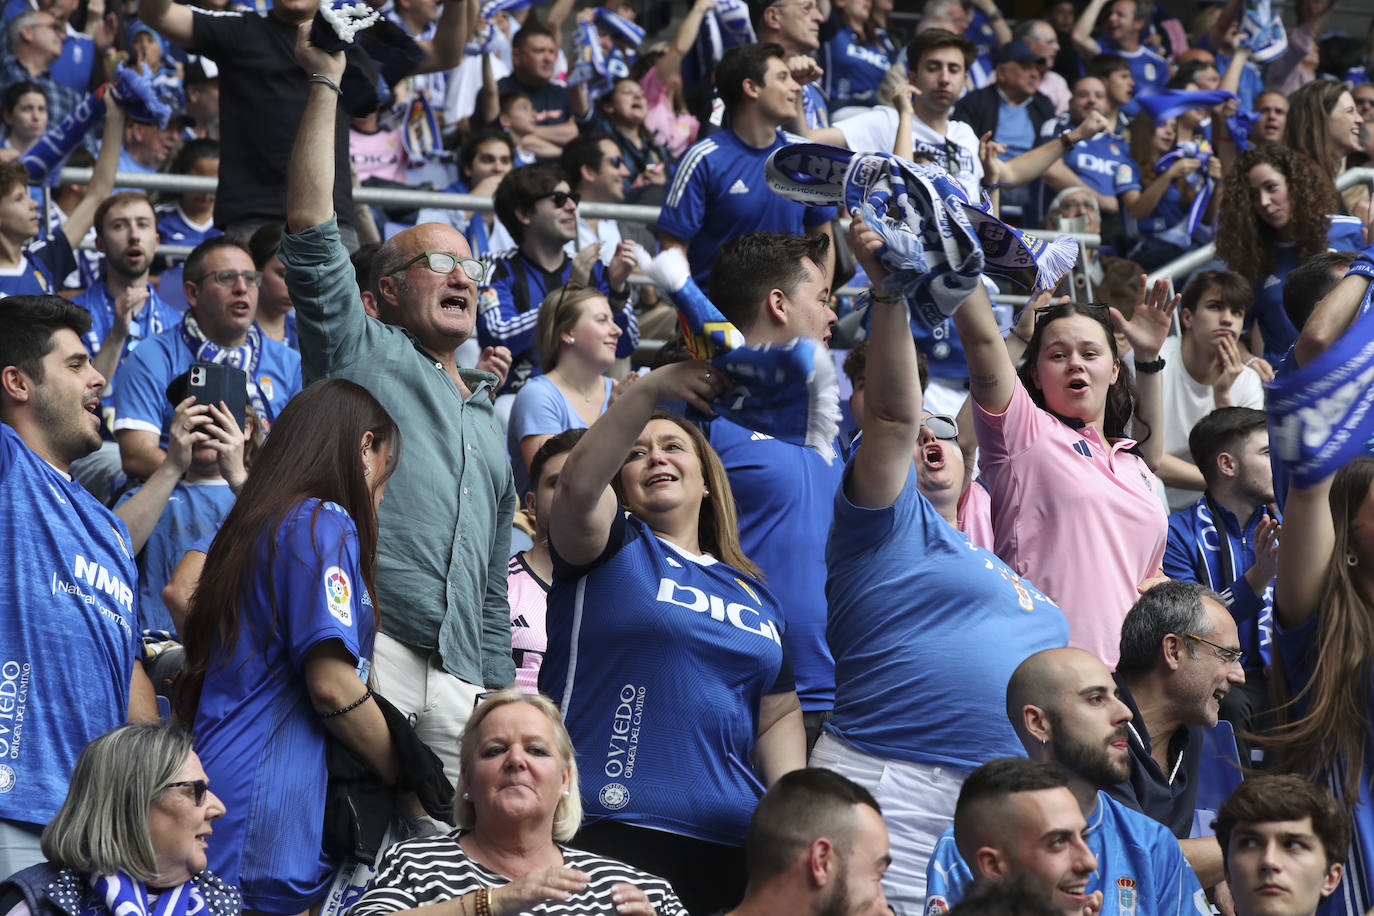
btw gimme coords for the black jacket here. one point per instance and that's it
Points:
(978, 109)
(359, 806)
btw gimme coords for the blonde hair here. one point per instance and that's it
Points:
(567, 817)
(558, 313)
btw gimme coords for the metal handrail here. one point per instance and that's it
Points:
(1186, 264)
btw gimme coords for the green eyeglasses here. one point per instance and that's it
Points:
(441, 262)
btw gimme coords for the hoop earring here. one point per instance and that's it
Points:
(1351, 560)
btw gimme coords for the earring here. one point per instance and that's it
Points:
(567, 792)
(466, 796)
(568, 340)
(1351, 559)
(705, 492)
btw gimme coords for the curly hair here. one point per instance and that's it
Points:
(1247, 243)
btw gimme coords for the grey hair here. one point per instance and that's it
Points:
(1023, 29)
(1076, 189)
(1170, 607)
(934, 8)
(385, 262)
(23, 21)
(567, 817)
(102, 825)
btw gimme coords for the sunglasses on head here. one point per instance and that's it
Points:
(941, 426)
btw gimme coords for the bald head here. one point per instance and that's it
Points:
(1042, 680)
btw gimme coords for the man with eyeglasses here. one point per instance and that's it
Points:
(1065, 709)
(539, 208)
(596, 171)
(443, 544)
(221, 289)
(1180, 656)
(35, 44)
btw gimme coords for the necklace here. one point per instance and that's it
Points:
(587, 398)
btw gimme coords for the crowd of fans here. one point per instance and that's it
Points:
(456, 582)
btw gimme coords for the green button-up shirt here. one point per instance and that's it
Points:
(444, 527)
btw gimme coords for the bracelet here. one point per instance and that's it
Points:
(995, 15)
(884, 298)
(1150, 368)
(1024, 340)
(1252, 360)
(349, 708)
(321, 78)
(622, 295)
(1067, 141)
(484, 902)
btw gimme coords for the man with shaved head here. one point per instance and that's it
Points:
(444, 530)
(1064, 706)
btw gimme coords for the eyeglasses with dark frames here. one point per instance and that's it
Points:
(227, 278)
(198, 789)
(1230, 656)
(441, 262)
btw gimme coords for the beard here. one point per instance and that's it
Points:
(1094, 761)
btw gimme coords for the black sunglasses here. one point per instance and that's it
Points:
(561, 198)
(198, 786)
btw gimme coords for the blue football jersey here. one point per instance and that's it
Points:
(262, 744)
(658, 661)
(68, 633)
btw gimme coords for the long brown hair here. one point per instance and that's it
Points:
(1305, 131)
(717, 524)
(1143, 152)
(1331, 736)
(312, 453)
(1247, 243)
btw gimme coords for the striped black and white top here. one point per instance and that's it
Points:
(433, 869)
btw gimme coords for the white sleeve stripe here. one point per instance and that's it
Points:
(506, 329)
(685, 169)
(571, 676)
(140, 425)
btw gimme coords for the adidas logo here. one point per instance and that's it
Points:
(520, 623)
(739, 187)
(759, 437)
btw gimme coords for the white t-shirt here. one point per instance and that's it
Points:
(876, 131)
(1186, 401)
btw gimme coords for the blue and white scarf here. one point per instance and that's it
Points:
(1322, 415)
(244, 357)
(623, 29)
(1182, 234)
(588, 62)
(132, 90)
(790, 392)
(1164, 104)
(936, 244)
(126, 896)
(725, 27)
(421, 136)
(1261, 30)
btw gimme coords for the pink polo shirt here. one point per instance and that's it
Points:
(975, 515)
(1076, 515)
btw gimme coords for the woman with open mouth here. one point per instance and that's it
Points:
(1074, 500)
(664, 645)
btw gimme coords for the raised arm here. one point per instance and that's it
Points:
(445, 50)
(892, 388)
(1147, 330)
(174, 21)
(82, 216)
(1001, 32)
(310, 173)
(1305, 550)
(1083, 29)
(670, 64)
(1033, 162)
(583, 505)
(1330, 318)
(992, 377)
(142, 510)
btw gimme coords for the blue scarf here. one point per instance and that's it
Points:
(132, 90)
(1261, 30)
(244, 357)
(1181, 235)
(588, 63)
(1221, 559)
(1322, 415)
(619, 26)
(1170, 103)
(725, 27)
(126, 896)
(936, 244)
(790, 392)
(421, 137)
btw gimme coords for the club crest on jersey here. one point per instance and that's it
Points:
(613, 796)
(741, 616)
(265, 386)
(337, 592)
(1125, 896)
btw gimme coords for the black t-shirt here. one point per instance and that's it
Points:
(261, 101)
(552, 104)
